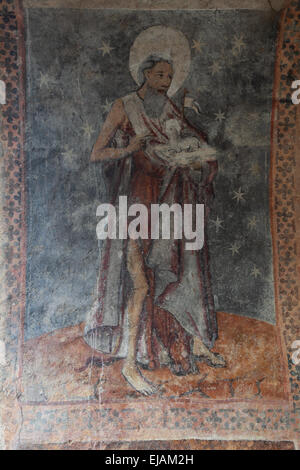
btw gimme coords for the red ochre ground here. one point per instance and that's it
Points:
(251, 349)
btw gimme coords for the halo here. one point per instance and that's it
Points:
(167, 43)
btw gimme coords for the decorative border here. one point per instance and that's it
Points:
(44, 424)
(286, 206)
(155, 4)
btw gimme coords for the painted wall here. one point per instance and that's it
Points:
(71, 83)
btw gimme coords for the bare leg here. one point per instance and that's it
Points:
(201, 350)
(135, 305)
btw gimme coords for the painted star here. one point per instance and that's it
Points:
(235, 248)
(106, 107)
(252, 222)
(220, 116)
(215, 68)
(218, 224)
(201, 88)
(44, 80)
(106, 48)
(238, 44)
(239, 195)
(255, 169)
(197, 45)
(255, 272)
(87, 130)
(68, 153)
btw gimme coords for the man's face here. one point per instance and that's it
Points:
(160, 77)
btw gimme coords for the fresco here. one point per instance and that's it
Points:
(124, 108)
(230, 76)
(212, 90)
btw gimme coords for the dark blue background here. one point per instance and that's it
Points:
(63, 191)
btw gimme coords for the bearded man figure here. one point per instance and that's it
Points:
(154, 303)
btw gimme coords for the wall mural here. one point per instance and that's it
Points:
(148, 151)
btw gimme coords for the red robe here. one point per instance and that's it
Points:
(180, 304)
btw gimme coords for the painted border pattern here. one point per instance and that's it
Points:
(286, 209)
(58, 424)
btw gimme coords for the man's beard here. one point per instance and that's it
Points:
(154, 103)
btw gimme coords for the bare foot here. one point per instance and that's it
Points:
(216, 360)
(136, 380)
(200, 350)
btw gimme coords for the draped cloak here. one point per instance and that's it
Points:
(180, 304)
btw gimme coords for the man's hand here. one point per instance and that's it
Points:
(137, 143)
